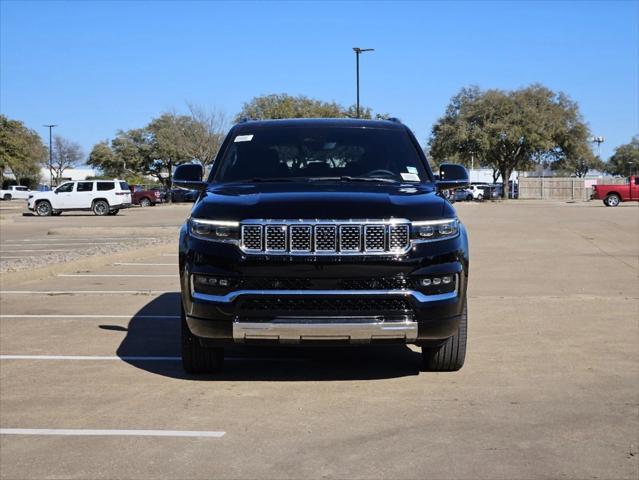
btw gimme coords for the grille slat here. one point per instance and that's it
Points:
(325, 237)
(276, 238)
(360, 305)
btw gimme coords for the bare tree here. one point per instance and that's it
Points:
(66, 154)
(206, 133)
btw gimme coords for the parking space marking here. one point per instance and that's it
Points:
(146, 264)
(111, 433)
(72, 244)
(137, 275)
(89, 316)
(127, 358)
(38, 250)
(86, 292)
(92, 357)
(169, 254)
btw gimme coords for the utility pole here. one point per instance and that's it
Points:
(358, 51)
(50, 156)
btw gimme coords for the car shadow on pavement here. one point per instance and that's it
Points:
(150, 335)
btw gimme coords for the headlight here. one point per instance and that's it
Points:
(219, 230)
(435, 229)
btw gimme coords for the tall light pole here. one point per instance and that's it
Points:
(358, 51)
(50, 156)
(598, 140)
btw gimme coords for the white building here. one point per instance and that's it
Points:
(68, 174)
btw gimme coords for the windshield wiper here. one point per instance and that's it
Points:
(347, 178)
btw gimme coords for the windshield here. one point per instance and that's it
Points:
(315, 153)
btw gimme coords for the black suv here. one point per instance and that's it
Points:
(325, 232)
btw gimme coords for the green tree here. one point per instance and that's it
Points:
(278, 106)
(625, 159)
(509, 131)
(104, 158)
(21, 150)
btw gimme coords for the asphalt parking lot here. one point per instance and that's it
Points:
(550, 389)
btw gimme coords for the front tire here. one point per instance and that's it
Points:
(612, 200)
(145, 202)
(43, 208)
(7, 196)
(101, 207)
(450, 356)
(197, 358)
(480, 197)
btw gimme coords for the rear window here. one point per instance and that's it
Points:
(104, 186)
(308, 153)
(125, 186)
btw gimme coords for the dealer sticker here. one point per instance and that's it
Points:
(410, 177)
(243, 138)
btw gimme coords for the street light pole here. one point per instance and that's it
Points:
(358, 51)
(50, 156)
(598, 140)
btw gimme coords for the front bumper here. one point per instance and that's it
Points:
(222, 318)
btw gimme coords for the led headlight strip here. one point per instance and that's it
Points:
(428, 230)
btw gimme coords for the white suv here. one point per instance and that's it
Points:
(103, 197)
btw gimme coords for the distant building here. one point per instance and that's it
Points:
(485, 175)
(69, 174)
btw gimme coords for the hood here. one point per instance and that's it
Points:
(321, 200)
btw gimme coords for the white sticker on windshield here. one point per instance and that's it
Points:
(243, 138)
(410, 177)
(411, 170)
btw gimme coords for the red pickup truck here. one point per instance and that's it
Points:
(613, 195)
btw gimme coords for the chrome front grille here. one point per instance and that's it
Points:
(325, 237)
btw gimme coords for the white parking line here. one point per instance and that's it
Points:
(73, 244)
(42, 250)
(141, 358)
(111, 433)
(146, 264)
(91, 357)
(86, 292)
(169, 254)
(88, 316)
(116, 275)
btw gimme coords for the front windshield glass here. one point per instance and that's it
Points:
(312, 153)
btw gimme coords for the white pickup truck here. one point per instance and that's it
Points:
(15, 191)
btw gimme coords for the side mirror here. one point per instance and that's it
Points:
(189, 177)
(452, 176)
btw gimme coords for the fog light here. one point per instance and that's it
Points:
(447, 279)
(223, 282)
(437, 281)
(426, 282)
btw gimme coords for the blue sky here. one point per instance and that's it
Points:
(96, 67)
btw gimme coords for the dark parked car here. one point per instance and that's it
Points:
(323, 232)
(180, 195)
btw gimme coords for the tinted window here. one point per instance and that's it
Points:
(103, 186)
(312, 152)
(22, 189)
(85, 187)
(65, 188)
(636, 180)
(125, 186)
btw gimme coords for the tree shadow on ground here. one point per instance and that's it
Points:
(154, 331)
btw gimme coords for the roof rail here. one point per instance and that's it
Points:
(394, 119)
(244, 120)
